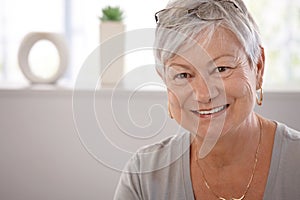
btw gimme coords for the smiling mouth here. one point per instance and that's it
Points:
(211, 111)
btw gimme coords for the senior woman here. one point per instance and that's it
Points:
(210, 56)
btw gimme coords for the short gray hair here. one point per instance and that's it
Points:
(183, 20)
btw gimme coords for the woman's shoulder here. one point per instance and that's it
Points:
(166, 144)
(286, 143)
(287, 133)
(284, 176)
(161, 154)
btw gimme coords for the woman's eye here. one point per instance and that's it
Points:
(221, 69)
(182, 76)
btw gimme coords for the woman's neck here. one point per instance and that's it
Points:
(235, 147)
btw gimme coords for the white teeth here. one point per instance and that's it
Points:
(209, 112)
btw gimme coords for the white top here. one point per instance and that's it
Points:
(162, 171)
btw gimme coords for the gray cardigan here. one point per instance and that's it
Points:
(162, 171)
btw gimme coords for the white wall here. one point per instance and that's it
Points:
(43, 155)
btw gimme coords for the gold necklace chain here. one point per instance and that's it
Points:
(251, 177)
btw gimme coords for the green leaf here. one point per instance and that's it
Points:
(112, 14)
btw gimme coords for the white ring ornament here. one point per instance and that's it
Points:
(26, 45)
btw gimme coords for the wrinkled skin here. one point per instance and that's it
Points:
(219, 75)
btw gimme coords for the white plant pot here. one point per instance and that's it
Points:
(112, 43)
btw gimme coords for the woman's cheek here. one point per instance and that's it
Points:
(174, 105)
(178, 100)
(241, 84)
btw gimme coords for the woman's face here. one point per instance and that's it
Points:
(213, 87)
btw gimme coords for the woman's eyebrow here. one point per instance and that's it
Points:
(186, 66)
(212, 61)
(222, 56)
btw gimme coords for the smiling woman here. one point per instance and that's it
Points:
(212, 83)
(210, 55)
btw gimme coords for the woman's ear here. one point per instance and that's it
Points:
(260, 67)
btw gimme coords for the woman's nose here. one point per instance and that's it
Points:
(204, 90)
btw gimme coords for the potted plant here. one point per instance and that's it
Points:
(112, 14)
(111, 24)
